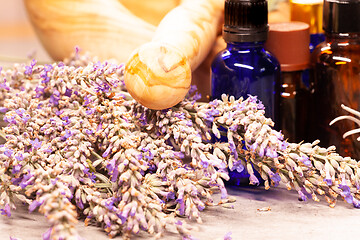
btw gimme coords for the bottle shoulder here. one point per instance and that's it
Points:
(336, 53)
(255, 58)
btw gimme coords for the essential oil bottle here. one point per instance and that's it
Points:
(289, 42)
(336, 65)
(244, 67)
(310, 12)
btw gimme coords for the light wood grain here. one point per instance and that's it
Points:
(105, 28)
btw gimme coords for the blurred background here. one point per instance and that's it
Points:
(19, 43)
(17, 37)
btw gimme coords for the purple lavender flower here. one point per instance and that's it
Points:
(233, 127)
(8, 152)
(54, 98)
(275, 177)
(79, 203)
(305, 160)
(143, 120)
(328, 179)
(58, 113)
(179, 155)
(66, 135)
(102, 87)
(228, 236)
(29, 69)
(6, 211)
(211, 113)
(254, 180)
(66, 120)
(3, 109)
(90, 111)
(192, 90)
(302, 196)
(68, 92)
(271, 153)
(181, 203)
(346, 193)
(16, 169)
(179, 223)
(24, 116)
(196, 96)
(10, 119)
(223, 192)
(26, 180)
(4, 85)
(20, 111)
(36, 144)
(238, 167)
(34, 204)
(87, 100)
(109, 203)
(233, 151)
(47, 234)
(19, 156)
(44, 74)
(39, 91)
(356, 203)
(48, 150)
(89, 132)
(114, 174)
(107, 152)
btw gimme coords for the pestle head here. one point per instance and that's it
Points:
(158, 75)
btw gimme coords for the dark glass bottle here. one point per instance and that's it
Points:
(336, 64)
(289, 42)
(244, 67)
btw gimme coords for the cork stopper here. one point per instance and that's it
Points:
(289, 43)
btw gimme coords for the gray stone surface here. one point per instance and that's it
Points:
(287, 219)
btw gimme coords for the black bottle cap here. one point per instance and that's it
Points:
(341, 16)
(245, 21)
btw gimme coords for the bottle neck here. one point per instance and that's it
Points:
(245, 45)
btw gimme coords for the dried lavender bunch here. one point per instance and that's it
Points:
(309, 169)
(73, 126)
(77, 145)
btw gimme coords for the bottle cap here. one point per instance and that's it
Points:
(341, 16)
(245, 21)
(289, 43)
(308, 11)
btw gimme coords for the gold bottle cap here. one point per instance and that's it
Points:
(308, 11)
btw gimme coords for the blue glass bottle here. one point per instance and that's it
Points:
(244, 67)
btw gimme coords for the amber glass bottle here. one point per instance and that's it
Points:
(336, 64)
(289, 43)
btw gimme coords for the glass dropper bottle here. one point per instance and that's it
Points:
(289, 42)
(336, 65)
(244, 68)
